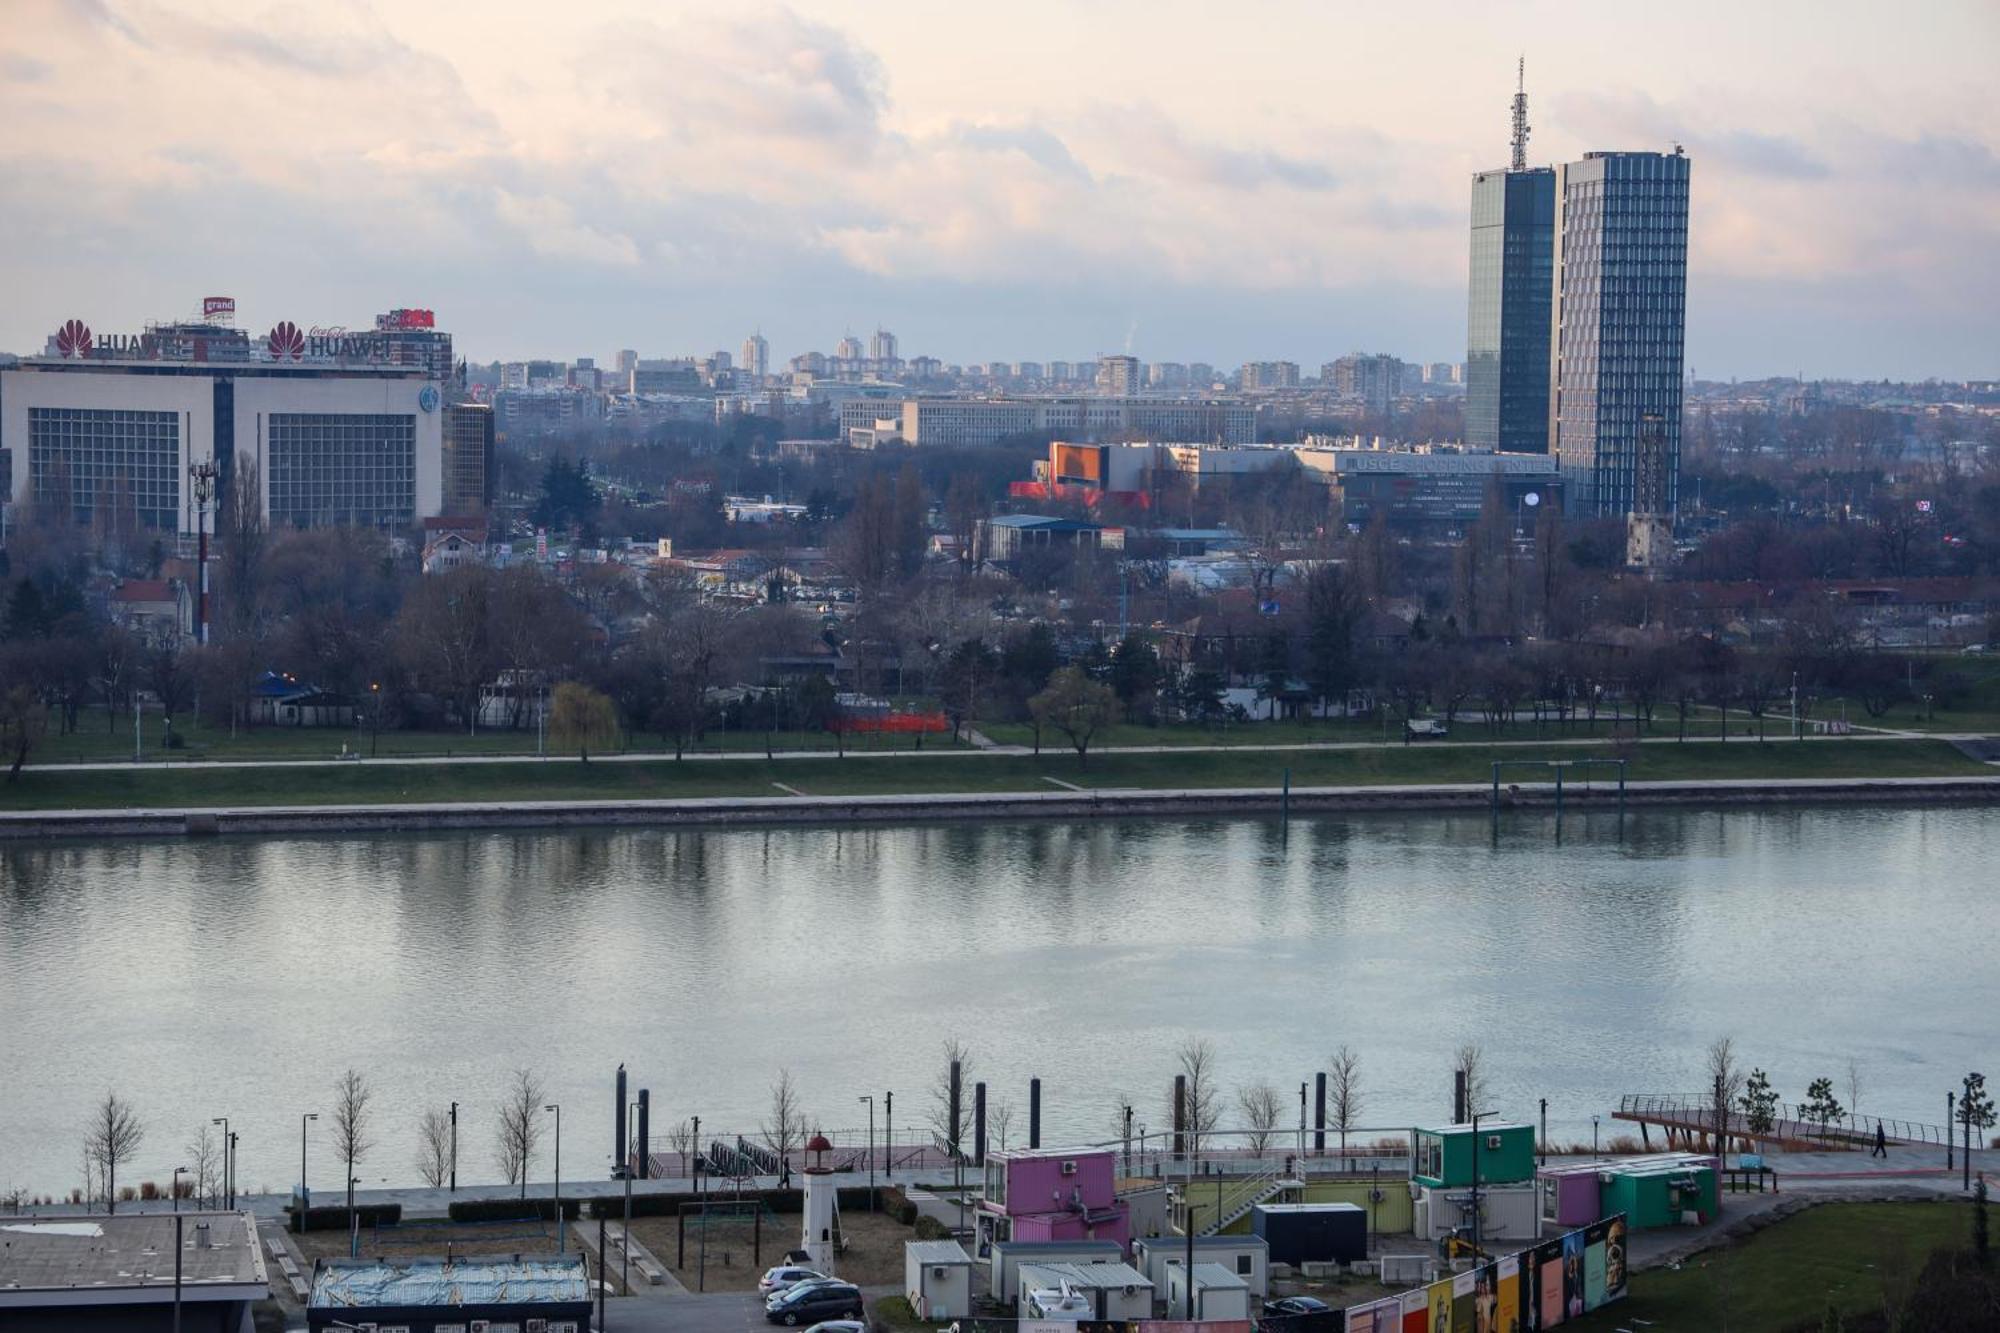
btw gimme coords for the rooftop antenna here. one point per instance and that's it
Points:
(1521, 115)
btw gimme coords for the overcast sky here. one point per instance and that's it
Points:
(1199, 181)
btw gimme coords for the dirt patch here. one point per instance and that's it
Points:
(432, 1240)
(736, 1259)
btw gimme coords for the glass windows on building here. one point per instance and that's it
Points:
(82, 458)
(343, 468)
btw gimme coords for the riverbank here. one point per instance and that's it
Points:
(1066, 805)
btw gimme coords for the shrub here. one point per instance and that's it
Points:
(897, 1204)
(334, 1217)
(929, 1228)
(540, 1208)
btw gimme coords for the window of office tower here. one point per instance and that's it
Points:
(80, 458)
(343, 468)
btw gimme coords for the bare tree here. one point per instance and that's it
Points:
(940, 1113)
(520, 1128)
(1343, 1088)
(1471, 1061)
(1000, 1116)
(680, 1139)
(785, 1126)
(1262, 1108)
(204, 1154)
(113, 1136)
(1853, 1087)
(1195, 1058)
(349, 1125)
(434, 1147)
(1725, 1081)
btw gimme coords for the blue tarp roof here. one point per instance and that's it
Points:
(362, 1284)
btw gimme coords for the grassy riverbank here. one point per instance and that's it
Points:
(555, 780)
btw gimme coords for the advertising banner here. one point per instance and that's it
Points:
(1417, 1310)
(1507, 1306)
(1440, 1294)
(1594, 1237)
(1549, 1305)
(213, 306)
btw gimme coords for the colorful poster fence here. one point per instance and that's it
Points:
(1539, 1288)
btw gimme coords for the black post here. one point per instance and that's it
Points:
(177, 1273)
(1965, 1110)
(1545, 1131)
(231, 1152)
(600, 1267)
(1458, 1108)
(618, 1143)
(454, 1147)
(1476, 1254)
(888, 1134)
(1319, 1114)
(1180, 1140)
(1950, 1132)
(1034, 1113)
(951, 1127)
(1128, 1138)
(979, 1124)
(645, 1132)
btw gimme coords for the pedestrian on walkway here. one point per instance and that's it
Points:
(1881, 1142)
(785, 1177)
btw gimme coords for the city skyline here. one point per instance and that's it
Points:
(815, 170)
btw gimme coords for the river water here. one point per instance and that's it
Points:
(240, 977)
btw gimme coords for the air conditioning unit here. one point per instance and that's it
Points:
(482, 1326)
(1493, 1143)
(1131, 1289)
(938, 1271)
(1069, 1168)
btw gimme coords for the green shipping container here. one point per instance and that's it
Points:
(1658, 1196)
(1444, 1155)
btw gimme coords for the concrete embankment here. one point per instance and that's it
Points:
(1183, 803)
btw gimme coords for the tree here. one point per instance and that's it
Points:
(23, 721)
(953, 1131)
(1975, 1108)
(967, 676)
(1195, 1058)
(1076, 706)
(1821, 1107)
(580, 717)
(1261, 1107)
(1853, 1087)
(785, 1126)
(110, 1140)
(519, 1131)
(434, 1147)
(1759, 1103)
(1135, 677)
(1333, 609)
(1725, 1082)
(1471, 1062)
(1343, 1090)
(349, 1125)
(204, 1156)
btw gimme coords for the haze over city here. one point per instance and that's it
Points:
(1057, 181)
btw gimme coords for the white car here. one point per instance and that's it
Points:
(786, 1276)
(839, 1326)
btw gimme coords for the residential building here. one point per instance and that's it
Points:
(847, 349)
(628, 361)
(469, 471)
(756, 357)
(1620, 321)
(1166, 375)
(977, 422)
(1264, 376)
(1053, 1194)
(1376, 378)
(1508, 322)
(1119, 376)
(882, 348)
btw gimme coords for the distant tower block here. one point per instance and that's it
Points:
(821, 1211)
(1649, 527)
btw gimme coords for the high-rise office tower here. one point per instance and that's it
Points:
(882, 347)
(756, 356)
(1508, 323)
(1620, 319)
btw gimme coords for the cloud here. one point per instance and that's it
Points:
(551, 228)
(18, 68)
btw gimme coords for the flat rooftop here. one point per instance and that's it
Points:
(360, 1284)
(81, 1255)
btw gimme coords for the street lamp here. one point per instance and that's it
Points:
(228, 1167)
(304, 1194)
(1477, 1116)
(562, 1232)
(1593, 1136)
(179, 1171)
(870, 1100)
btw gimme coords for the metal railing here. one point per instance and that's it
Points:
(1788, 1120)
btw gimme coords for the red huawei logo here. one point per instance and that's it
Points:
(73, 339)
(286, 340)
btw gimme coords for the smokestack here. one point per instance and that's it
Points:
(979, 1124)
(645, 1133)
(1319, 1113)
(951, 1136)
(623, 1146)
(1034, 1113)
(1180, 1120)
(1458, 1110)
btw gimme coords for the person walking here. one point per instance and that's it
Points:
(1881, 1142)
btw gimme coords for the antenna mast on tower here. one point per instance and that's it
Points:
(1521, 115)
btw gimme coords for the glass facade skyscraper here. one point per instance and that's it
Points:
(1620, 318)
(1508, 328)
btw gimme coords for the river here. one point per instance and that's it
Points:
(203, 978)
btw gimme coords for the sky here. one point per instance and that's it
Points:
(1034, 181)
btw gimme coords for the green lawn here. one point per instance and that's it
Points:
(1788, 1272)
(931, 774)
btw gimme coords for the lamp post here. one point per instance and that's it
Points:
(454, 1147)
(869, 1099)
(888, 1133)
(1545, 1131)
(1477, 1116)
(1950, 1134)
(562, 1232)
(179, 1171)
(228, 1181)
(1593, 1136)
(201, 477)
(305, 1196)
(375, 736)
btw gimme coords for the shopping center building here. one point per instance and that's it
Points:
(340, 428)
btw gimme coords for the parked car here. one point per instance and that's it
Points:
(786, 1276)
(1294, 1305)
(1301, 1314)
(812, 1301)
(839, 1326)
(1425, 728)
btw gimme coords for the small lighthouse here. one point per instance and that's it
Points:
(821, 1210)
